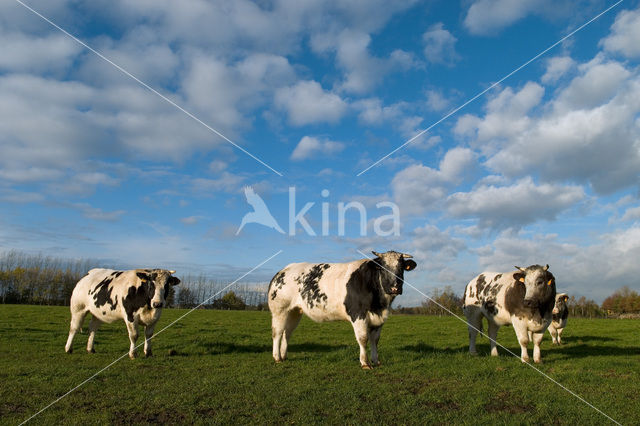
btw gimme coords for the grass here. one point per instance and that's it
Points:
(216, 367)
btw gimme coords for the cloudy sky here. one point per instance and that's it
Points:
(541, 168)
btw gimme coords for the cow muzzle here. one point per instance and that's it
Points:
(395, 290)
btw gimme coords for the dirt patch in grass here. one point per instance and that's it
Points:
(147, 416)
(505, 402)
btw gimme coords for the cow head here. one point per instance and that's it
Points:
(539, 283)
(561, 303)
(391, 266)
(158, 282)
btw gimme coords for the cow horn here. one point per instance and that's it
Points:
(376, 253)
(172, 272)
(546, 268)
(406, 256)
(521, 269)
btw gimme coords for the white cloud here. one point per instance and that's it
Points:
(632, 213)
(436, 101)
(515, 205)
(227, 182)
(310, 146)
(190, 220)
(49, 54)
(488, 16)
(434, 248)
(95, 213)
(306, 103)
(419, 188)
(362, 71)
(556, 68)
(625, 33)
(439, 45)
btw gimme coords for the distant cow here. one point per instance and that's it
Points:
(135, 296)
(360, 292)
(560, 315)
(523, 298)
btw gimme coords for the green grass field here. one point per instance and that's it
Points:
(222, 372)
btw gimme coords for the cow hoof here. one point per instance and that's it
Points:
(377, 364)
(278, 361)
(367, 367)
(537, 361)
(148, 354)
(132, 355)
(69, 351)
(473, 353)
(91, 351)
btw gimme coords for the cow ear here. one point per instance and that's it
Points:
(518, 276)
(153, 276)
(550, 281)
(174, 280)
(565, 298)
(409, 265)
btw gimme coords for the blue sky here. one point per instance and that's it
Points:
(543, 168)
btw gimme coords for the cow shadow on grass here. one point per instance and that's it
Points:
(423, 348)
(583, 350)
(217, 348)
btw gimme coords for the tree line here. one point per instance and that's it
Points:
(47, 280)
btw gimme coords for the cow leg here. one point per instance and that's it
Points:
(278, 323)
(474, 324)
(554, 335)
(559, 331)
(292, 321)
(362, 331)
(374, 337)
(522, 333)
(77, 318)
(493, 336)
(94, 324)
(132, 328)
(537, 338)
(148, 334)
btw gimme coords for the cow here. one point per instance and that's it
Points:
(135, 296)
(560, 315)
(360, 292)
(523, 298)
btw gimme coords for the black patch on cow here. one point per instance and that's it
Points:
(364, 292)
(138, 297)
(102, 294)
(277, 282)
(480, 283)
(104, 313)
(490, 307)
(143, 276)
(497, 277)
(309, 288)
(116, 274)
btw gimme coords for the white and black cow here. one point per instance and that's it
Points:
(523, 298)
(360, 292)
(136, 296)
(560, 315)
